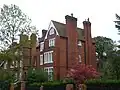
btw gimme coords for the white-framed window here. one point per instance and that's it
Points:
(79, 43)
(48, 57)
(80, 58)
(52, 31)
(49, 71)
(45, 57)
(41, 46)
(51, 42)
(41, 59)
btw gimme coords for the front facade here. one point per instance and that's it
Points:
(64, 45)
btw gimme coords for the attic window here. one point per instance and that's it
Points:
(79, 43)
(52, 31)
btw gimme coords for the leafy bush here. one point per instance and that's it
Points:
(6, 76)
(36, 75)
(82, 72)
(49, 84)
(102, 82)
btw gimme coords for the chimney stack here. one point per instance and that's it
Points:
(71, 33)
(88, 41)
(44, 32)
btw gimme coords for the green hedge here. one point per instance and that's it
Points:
(102, 82)
(50, 83)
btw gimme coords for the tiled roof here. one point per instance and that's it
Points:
(61, 30)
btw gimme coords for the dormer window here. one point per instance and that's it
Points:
(79, 43)
(52, 31)
(41, 46)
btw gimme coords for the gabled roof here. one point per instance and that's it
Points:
(61, 30)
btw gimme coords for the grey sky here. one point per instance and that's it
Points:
(100, 12)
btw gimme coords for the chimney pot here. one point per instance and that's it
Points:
(72, 14)
(88, 19)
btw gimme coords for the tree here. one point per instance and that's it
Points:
(115, 63)
(12, 23)
(6, 75)
(117, 22)
(104, 46)
(36, 75)
(9, 56)
(81, 72)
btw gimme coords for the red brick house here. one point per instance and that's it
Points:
(65, 45)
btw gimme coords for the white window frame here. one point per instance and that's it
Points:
(48, 57)
(80, 60)
(45, 57)
(79, 43)
(41, 46)
(51, 31)
(41, 59)
(49, 71)
(51, 42)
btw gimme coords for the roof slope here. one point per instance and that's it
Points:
(61, 30)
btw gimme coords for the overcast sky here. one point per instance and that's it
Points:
(100, 12)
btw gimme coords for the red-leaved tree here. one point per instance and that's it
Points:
(81, 72)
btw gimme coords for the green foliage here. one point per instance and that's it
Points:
(4, 85)
(117, 22)
(6, 76)
(115, 64)
(102, 82)
(12, 23)
(104, 46)
(36, 75)
(112, 66)
(50, 83)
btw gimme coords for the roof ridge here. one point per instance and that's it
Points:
(64, 24)
(58, 22)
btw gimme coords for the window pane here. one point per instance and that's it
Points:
(44, 57)
(41, 46)
(41, 59)
(52, 42)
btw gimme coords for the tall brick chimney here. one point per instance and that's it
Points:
(71, 24)
(44, 32)
(71, 33)
(88, 41)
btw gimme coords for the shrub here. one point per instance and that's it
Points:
(102, 82)
(36, 76)
(82, 72)
(49, 84)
